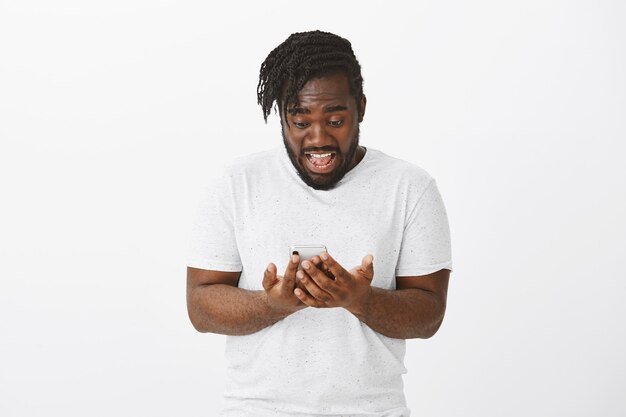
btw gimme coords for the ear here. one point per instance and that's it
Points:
(363, 103)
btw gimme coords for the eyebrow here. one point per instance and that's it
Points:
(330, 109)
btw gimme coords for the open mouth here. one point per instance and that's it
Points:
(321, 162)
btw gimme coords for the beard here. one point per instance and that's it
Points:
(327, 182)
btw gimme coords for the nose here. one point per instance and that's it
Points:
(319, 136)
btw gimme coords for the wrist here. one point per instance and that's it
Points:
(275, 310)
(359, 306)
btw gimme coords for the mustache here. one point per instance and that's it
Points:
(319, 149)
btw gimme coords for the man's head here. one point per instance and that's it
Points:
(315, 80)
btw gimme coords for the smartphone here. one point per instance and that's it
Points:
(306, 252)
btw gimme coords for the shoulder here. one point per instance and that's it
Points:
(392, 169)
(252, 163)
(238, 173)
(250, 169)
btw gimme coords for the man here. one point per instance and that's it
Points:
(327, 338)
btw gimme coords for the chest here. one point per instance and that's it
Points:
(350, 224)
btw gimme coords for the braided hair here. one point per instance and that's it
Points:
(300, 58)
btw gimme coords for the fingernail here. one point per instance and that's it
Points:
(324, 256)
(306, 265)
(299, 274)
(294, 259)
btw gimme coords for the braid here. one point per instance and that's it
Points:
(300, 58)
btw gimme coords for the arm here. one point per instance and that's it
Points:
(414, 310)
(216, 305)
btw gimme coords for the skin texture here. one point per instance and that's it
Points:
(326, 118)
(216, 305)
(414, 310)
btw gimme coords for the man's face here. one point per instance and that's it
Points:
(322, 133)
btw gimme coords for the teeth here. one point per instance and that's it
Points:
(320, 155)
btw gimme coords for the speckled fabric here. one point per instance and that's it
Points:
(319, 362)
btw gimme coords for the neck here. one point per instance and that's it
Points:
(358, 156)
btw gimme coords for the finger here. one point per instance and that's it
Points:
(334, 267)
(321, 279)
(300, 285)
(269, 276)
(292, 268)
(317, 261)
(307, 299)
(367, 266)
(312, 288)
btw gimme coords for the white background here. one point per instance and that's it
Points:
(114, 114)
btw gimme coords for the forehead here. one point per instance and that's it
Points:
(325, 89)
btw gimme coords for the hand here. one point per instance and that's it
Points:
(348, 289)
(280, 289)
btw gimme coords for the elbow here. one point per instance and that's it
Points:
(431, 330)
(435, 323)
(198, 324)
(195, 320)
(198, 319)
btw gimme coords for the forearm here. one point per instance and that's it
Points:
(224, 309)
(402, 314)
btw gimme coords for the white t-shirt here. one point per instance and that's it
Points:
(319, 362)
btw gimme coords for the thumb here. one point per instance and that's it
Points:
(269, 276)
(367, 266)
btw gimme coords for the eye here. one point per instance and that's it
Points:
(335, 123)
(301, 125)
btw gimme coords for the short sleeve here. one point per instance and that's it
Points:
(213, 245)
(426, 240)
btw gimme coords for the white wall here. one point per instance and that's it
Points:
(114, 114)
